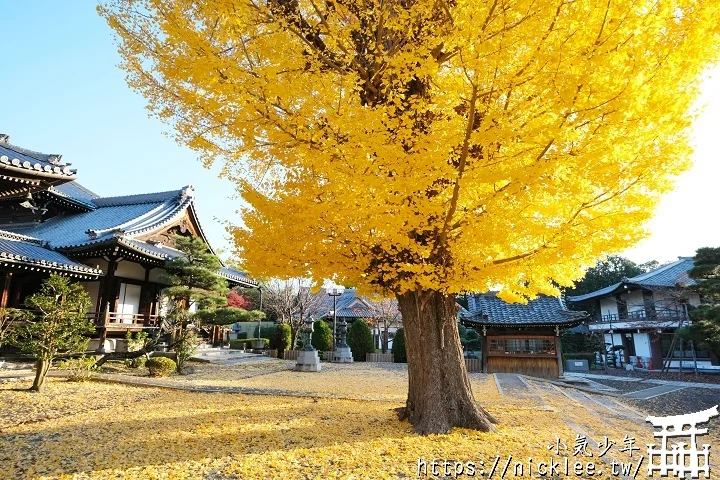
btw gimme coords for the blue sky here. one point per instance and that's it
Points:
(62, 92)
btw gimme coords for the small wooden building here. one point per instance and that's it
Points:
(519, 338)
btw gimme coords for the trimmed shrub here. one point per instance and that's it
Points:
(322, 336)
(137, 362)
(81, 369)
(160, 366)
(360, 340)
(282, 338)
(398, 348)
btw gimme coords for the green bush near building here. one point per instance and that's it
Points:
(398, 347)
(360, 340)
(282, 338)
(322, 336)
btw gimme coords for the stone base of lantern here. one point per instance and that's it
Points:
(342, 355)
(308, 361)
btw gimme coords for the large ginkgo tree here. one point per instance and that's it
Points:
(422, 148)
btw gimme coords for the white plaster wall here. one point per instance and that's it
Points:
(615, 336)
(642, 344)
(608, 306)
(635, 302)
(130, 269)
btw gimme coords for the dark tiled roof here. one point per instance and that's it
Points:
(142, 198)
(349, 305)
(130, 215)
(46, 164)
(75, 190)
(30, 253)
(671, 275)
(237, 276)
(163, 252)
(488, 309)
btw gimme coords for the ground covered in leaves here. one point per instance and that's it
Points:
(102, 430)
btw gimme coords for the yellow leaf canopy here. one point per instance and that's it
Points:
(449, 145)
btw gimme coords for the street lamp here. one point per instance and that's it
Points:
(335, 291)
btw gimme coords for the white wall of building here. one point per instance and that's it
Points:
(642, 344)
(635, 302)
(608, 306)
(128, 269)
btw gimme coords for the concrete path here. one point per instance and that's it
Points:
(652, 381)
(653, 392)
(226, 356)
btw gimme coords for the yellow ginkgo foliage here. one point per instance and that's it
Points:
(423, 148)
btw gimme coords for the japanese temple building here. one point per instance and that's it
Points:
(519, 338)
(115, 246)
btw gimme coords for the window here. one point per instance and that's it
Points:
(510, 346)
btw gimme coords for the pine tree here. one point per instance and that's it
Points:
(60, 325)
(705, 327)
(194, 281)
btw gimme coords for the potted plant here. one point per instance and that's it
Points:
(258, 344)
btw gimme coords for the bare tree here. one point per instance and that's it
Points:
(388, 317)
(292, 302)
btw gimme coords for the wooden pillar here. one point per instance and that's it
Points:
(484, 352)
(107, 301)
(145, 306)
(649, 305)
(6, 290)
(625, 350)
(558, 352)
(621, 308)
(656, 356)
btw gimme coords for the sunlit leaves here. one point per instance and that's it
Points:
(344, 125)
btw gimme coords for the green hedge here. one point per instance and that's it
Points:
(398, 347)
(243, 343)
(282, 338)
(360, 340)
(321, 336)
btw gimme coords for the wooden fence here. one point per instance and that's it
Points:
(379, 357)
(291, 354)
(473, 365)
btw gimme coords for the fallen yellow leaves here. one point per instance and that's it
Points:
(102, 431)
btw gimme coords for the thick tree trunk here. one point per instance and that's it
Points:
(41, 369)
(439, 394)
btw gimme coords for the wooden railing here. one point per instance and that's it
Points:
(379, 357)
(658, 314)
(124, 321)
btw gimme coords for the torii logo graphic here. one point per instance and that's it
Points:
(678, 460)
